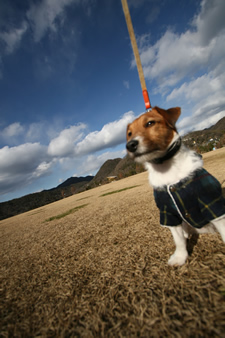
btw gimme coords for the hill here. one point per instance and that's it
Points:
(220, 125)
(208, 139)
(32, 201)
(104, 172)
(74, 180)
(126, 167)
(118, 168)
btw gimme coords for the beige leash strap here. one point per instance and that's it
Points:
(136, 53)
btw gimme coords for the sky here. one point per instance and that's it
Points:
(69, 84)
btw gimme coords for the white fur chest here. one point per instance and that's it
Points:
(172, 171)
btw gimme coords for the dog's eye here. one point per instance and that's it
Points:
(150, 124)
(129, 134)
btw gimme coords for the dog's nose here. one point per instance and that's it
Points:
(132, 146)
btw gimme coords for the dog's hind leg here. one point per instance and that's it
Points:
(219, 224)
(180, 255)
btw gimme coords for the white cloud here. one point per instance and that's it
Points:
(205, 96)
(64, 144)
(191, 123)
(72, 143)
(207, 85)
(19, 164)
(21, 159)
(23, 164)
(188, 69)
(13, 37)
(17, 133)
(175, 56)
(43, 15)
(110, 135)
(43, 169)
(210, 22)
(35, 131)
(13, 130)
(154, 13)
(126, 84)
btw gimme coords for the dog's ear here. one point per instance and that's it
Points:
(171, 115)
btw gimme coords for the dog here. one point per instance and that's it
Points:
(190, 200)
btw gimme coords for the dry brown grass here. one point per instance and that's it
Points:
(101, 270)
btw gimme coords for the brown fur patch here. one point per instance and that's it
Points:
(155, 127)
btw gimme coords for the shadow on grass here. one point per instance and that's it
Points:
(191, 243)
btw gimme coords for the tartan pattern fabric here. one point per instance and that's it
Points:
(197, 200)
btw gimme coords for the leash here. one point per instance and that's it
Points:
(136, 54)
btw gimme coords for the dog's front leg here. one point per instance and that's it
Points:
(180, 255)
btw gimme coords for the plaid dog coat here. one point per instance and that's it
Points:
(196, 200)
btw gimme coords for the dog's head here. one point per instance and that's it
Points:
(150, 134)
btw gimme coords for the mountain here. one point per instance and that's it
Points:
(74, 180)
(207, 139)
(220, 125)
(126, 167)
(28, 202)
(104, 172)
(36, 200)
(118, 168)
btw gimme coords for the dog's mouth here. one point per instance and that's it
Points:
(146, 156)
(156, 155)
(137, 154)
(140, 152)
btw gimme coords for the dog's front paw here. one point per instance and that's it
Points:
(178, 258)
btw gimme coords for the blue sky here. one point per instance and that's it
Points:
(69, 84)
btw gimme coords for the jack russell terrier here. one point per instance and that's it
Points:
(190, 200)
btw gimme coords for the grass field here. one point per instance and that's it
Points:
(95, 265)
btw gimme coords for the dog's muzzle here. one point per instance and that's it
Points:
(132, 146)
